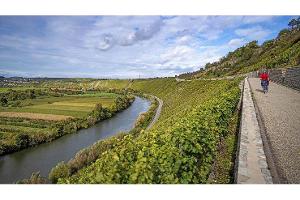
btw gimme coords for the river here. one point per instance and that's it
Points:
(44, 157)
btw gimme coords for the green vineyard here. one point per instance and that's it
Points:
(180, 148)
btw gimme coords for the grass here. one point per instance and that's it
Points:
(5, 89)
(77, 106)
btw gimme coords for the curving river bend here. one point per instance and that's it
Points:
(44, 157)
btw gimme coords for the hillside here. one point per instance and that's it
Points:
(181, 147)
(280, 52)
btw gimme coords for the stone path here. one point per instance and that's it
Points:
(280, 113)
(157, 113)
(252, 167)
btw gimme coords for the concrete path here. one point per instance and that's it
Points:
(157, 114)
(280, 113)
(252, 167)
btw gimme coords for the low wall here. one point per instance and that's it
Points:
(251, 164)
(289, 77)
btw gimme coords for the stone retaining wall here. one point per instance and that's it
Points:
(251, 164)
(289, 77)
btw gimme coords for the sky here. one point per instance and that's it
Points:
(124, 46)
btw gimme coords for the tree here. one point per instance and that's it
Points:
(98, 107)
(298, 23)
(22, 140)
(293, 23)
(3, 101)
(32, 94)
(283, 32)
(60, 171)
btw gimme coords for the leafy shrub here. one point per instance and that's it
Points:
(61, 170)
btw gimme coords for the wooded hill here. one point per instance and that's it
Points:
(280, 52)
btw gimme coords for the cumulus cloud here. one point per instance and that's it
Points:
(177, 54)
(148, 31)
(122, 33)
(236, 42)
(253, 33)
(122, 46)
(257, 19)
(184, 39)
(106, 42)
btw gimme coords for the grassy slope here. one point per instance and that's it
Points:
(178, 97)
(181, 147)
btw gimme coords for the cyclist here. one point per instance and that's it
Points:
(264, 78)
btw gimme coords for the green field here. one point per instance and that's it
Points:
(5, 89)
(70, 105)
(87, 84)
(45, 118)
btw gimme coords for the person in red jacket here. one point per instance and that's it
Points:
(264, 78)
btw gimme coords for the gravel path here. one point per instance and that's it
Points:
(280, 111)
(157, 114)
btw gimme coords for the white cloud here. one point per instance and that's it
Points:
(257, 19)
(122, 46)
(236, 42)
(184, 39)
(123, 31)
(253, 33)
(177, 55)
(105, 42)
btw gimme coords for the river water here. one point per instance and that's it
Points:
(44, 157)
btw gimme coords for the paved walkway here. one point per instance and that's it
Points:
(252, 166)
(280, 113)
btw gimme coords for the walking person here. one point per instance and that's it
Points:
(264, 78)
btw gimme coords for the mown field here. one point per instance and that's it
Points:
(182, 145)
(77, 106)
(28, 117)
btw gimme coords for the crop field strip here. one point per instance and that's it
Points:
(45, 118)
(69, 106)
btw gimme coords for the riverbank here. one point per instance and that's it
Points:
(42, 158)
(19, 133)
(89, 155)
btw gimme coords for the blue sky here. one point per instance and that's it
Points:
(124, 46)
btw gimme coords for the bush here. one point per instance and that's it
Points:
(22, 140)
(61, 170)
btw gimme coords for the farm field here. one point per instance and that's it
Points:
(77, 106)
(45, 118)
(87, 84)
(5, 89)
